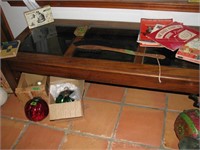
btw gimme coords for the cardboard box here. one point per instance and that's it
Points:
(67, 109)
(32, 85)
(4, 83)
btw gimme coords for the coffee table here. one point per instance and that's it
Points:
(52, 50)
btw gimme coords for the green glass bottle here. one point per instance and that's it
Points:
(64, 96)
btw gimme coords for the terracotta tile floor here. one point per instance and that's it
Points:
(114, 118)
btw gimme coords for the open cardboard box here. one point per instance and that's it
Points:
(28, 87)
(67, 109)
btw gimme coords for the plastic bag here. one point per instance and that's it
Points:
(56, 89)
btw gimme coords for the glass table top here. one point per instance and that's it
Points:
(48, 39)
(55, 40)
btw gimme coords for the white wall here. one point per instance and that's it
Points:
(17, 21)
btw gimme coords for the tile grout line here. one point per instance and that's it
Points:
(63, 139)
(35, 123)
(136, 143)
(86, 89)
(118, 120)
(13, 118)
(26, 125)
(68, 130)
(125, 104)
(87, 134)
(113, 102)
(109, 139)
(71, 131)
(122, 103)
(113, 138)
(101, 100)
(145, 107)
(164, 124)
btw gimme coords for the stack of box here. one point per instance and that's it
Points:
(32, 85)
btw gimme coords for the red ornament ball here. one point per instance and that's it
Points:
(36, 109)
(187, 124)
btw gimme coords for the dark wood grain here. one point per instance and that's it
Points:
(128, 74)
(163, 5)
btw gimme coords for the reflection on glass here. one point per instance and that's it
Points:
(48, 39)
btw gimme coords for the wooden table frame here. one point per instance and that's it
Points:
(163, 5)
(135, 74)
